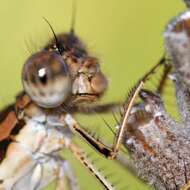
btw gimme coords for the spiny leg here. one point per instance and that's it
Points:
(81, 156)
(111, 152)
(129, 105)
(134, 94)
(99, 146)
(130, 102)
(104, 108)
(112, 106)
(162, 82)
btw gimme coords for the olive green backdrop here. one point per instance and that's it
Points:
(125, 34)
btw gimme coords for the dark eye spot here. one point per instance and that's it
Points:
(43, 79)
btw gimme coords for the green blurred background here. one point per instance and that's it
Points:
(125, 34)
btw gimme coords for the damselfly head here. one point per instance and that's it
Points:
(177, 39)
(88, 81)
(46, 79)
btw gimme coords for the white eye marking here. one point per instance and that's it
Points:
(42, 72)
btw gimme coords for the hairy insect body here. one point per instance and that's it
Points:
(158, 143)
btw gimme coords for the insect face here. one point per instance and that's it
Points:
(46, 79)
(159, 144)
(88, 81)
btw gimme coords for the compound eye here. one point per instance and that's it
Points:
(46, 79)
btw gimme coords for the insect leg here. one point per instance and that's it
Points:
(65, 170)
(129, 104)
(99, 146)
(97, 108)
(36, 177)
(111, 152)
(162, 82)
(81, 156)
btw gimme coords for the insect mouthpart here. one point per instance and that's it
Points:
(46, 79)
(89, 83)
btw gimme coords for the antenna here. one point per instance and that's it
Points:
(55, 37)
(73, 18)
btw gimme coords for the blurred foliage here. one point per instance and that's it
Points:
(126, 35)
